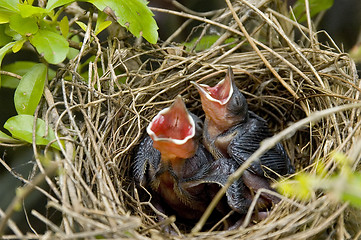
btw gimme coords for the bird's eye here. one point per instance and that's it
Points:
(237, 101)
(237, 104)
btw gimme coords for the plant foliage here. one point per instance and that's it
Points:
(315, 7)
(21, 127)
(24, 22)
(344, 185)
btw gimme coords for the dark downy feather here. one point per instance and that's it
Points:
(249, 136)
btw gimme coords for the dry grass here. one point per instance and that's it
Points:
(104, 116)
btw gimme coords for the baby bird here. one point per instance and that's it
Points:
(170, 155)
(180, 173)
(232, 131)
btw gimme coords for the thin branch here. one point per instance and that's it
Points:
(265, 146)
(23, 192)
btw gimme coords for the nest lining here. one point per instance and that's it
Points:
(104, 118)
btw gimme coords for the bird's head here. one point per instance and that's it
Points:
(223, 104)
(175, 131)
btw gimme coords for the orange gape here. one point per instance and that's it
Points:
(221, 91)
(214, 104)
(172, 131)
(171, 151)
(173, 123)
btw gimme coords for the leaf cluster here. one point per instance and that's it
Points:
(315, 6)
(344, 184)
(48, 30)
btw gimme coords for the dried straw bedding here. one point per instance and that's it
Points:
(104, 118)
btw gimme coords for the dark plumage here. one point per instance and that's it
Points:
(242, 140)
(237, 134)
(231, 131)
(173, 187)
(183, 183)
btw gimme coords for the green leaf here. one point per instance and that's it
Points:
(57, 3)
(101, 18)
(20, 68)
(11, 5)
(4, 138)
(354, 199)
(205, 43)
(290, 188)
(342, 159)
(22, 25)
(102, 26)
(18, 45)
(4, 15)
(13, 34)
(3, 52)
(28, 10)
(54, 46)
(64, 26)
(21, 127)
(316, 6)
(30, 89)
(352, 190)
(101, 23)
(49, 26)
(82, 25)
(302, 187)
(72, 51)
(134, 15)
(4, 39)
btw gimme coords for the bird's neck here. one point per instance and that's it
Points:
(214, 128)
(217, 125)
(175, 155)
(172, 151)
(176, 163)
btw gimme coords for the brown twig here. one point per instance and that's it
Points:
(265, 146)
(23, 192)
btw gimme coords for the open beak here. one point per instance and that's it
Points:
(215, 99)
(221, 93)
(172, 131)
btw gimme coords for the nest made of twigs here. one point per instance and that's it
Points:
(104, 116)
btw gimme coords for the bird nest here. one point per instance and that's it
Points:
(101, 118)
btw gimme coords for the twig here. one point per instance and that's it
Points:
(325, 223)
(54, 227)
(187, 10)
(266, 62)
(12, 225)
(186, 15)
(23, 192)
(291, 44)
(265, 146)
(2, 72)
